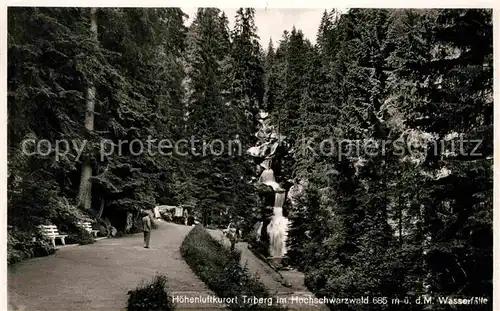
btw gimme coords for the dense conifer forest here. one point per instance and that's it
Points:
(413, 219)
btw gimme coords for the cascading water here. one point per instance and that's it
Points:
(277, 228)
(267, 178)
(280, 200)
(278, 225)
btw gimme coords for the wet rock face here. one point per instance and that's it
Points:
(264, 190)
(265, 193)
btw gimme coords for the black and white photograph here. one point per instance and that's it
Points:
(205, 158)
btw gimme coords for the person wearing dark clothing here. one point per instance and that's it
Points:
(233, 238)
(146, 228)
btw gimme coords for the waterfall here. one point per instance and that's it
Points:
(277, 230)
(278, 225)
(267, 178)
(279, 199)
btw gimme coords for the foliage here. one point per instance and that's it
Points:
(410, 220)
(81, 236)
(21, 246)
(221, 109)
(220, 269)
(151, 296)
(52, 62)
(394, 224)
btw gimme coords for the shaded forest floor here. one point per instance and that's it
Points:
(98, 276)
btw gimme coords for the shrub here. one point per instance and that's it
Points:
(20, 246)
(17, 250)
(220, 269)
(81, 236)
(85, 237)
(42, 248)
(152, 296)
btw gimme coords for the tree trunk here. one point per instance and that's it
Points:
(101, 209)
(400, 216)
(85, 191)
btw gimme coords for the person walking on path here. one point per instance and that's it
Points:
(146, 228)
(232, 235)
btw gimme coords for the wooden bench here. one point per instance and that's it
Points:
(51, 232)
(88, 227)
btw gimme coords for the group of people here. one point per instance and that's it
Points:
(232, 233)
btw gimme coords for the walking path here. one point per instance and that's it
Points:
(98, 276)
(272, 279)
